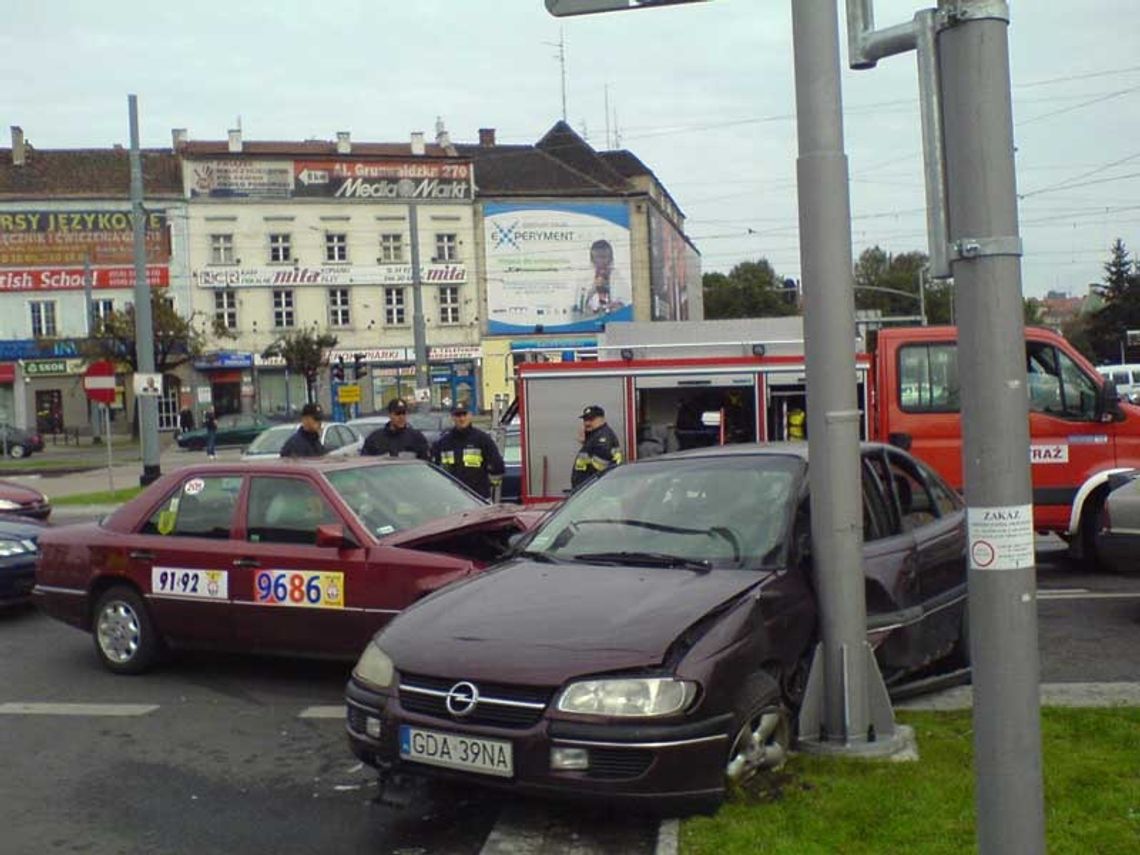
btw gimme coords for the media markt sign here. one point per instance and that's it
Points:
(46, 367)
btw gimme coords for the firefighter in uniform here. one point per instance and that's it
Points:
(797, 423)
(600, 447)
(469, 454)
(397, 438)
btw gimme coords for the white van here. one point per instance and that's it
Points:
(1126, 378)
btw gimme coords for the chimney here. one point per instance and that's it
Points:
(487, 137)
(343, 142)
(441, 136)
(178, 137)
(19, 150)
(417, 142)
(235, 140)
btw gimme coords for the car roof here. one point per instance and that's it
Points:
(747, 449)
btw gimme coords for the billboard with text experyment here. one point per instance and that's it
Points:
(557, 267)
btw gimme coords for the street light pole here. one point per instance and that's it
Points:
(144, 322)
(419, 327)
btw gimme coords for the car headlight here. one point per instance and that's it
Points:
(374, 667)
(8, 505)
(9, 548)
(646, 697)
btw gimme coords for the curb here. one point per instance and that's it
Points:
(1052, 695)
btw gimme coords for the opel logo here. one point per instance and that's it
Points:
(462, 698)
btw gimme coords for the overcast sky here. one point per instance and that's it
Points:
(702, 93)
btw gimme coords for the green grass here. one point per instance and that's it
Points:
(103, 497)
(817, 805)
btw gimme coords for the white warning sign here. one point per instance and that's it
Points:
(1000, 538)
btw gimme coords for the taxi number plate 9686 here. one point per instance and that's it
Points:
(452, 751)
(303, 588)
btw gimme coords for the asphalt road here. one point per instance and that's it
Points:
(229, 754)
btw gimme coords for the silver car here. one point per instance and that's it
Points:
(339, 439)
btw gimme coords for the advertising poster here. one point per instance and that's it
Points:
(391, 180)
(239, 179)
(47, 238)
(674, 267)
(557, 268)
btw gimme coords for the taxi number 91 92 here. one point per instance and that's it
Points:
(302, 588)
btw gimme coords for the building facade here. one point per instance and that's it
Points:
(292, 236)
(66, 261)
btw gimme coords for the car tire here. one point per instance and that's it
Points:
(125, 638)
(18, 451)
(1090, 526)
(761, 738)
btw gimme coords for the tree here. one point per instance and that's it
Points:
(1109, 325)
(305, 352)
(176, 338)
(752, 289)
(889, 283)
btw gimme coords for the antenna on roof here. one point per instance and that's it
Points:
(561, 57)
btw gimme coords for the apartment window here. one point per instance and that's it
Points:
(336, 246)
(222, 249)
(101, 310)
(449, 304)
(394, 314)
(283, 309)
(391, 248)
(280, 248)
(338, 307)
(225, 309)
(43, 319)
(447, 246)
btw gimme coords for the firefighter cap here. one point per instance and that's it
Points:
(593, 412)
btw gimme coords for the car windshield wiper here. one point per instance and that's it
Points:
(672, 529)
(645, 559)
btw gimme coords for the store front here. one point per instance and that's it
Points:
(8, 414)
(230, 379)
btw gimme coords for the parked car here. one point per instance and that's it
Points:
(19, 442)
(339, 439)
(650, 640)
(307, 557)
(1118, 531)
(240, 429)
(18, 500)
(18, 550)
(431, 423)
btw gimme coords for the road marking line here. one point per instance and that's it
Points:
(77, 709)
(1087, 595)
(323, 712)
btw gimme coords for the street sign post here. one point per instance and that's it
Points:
(99, 386)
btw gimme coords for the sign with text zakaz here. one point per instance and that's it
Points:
(99, 382)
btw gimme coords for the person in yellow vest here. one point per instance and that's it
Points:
(468, 453)
(600, 447)
(797, 423)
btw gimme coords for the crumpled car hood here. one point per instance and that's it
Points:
(542, 624)
(490, 517)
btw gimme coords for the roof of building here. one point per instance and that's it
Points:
(86, 173)
(308, 148)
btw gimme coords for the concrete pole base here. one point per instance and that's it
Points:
(898, 747)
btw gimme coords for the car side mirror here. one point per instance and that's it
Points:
(336, 536)
(1108, 403)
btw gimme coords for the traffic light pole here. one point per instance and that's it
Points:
(419, 327)
(144, 321)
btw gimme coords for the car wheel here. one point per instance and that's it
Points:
(1092, 521)
(125, 638)
(762, 738)
(18, 451)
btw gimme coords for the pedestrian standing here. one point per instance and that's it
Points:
(211, 424)
(397, 438)
(471, 455)
(306, 442)
(600, 447)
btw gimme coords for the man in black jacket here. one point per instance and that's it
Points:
(600, 447)
(397, 438)
(469, 454)
(306, 442)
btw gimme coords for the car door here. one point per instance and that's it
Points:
(890, 565)
(180, 558)
(937, 518)
(293, 595)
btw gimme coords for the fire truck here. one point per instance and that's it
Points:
(668, 386)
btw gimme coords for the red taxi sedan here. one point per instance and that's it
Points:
(305, 557)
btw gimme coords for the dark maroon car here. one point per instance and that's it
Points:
(650, 640)
(306, 557)
(23, 501)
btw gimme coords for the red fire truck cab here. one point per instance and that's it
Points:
(673, 386)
